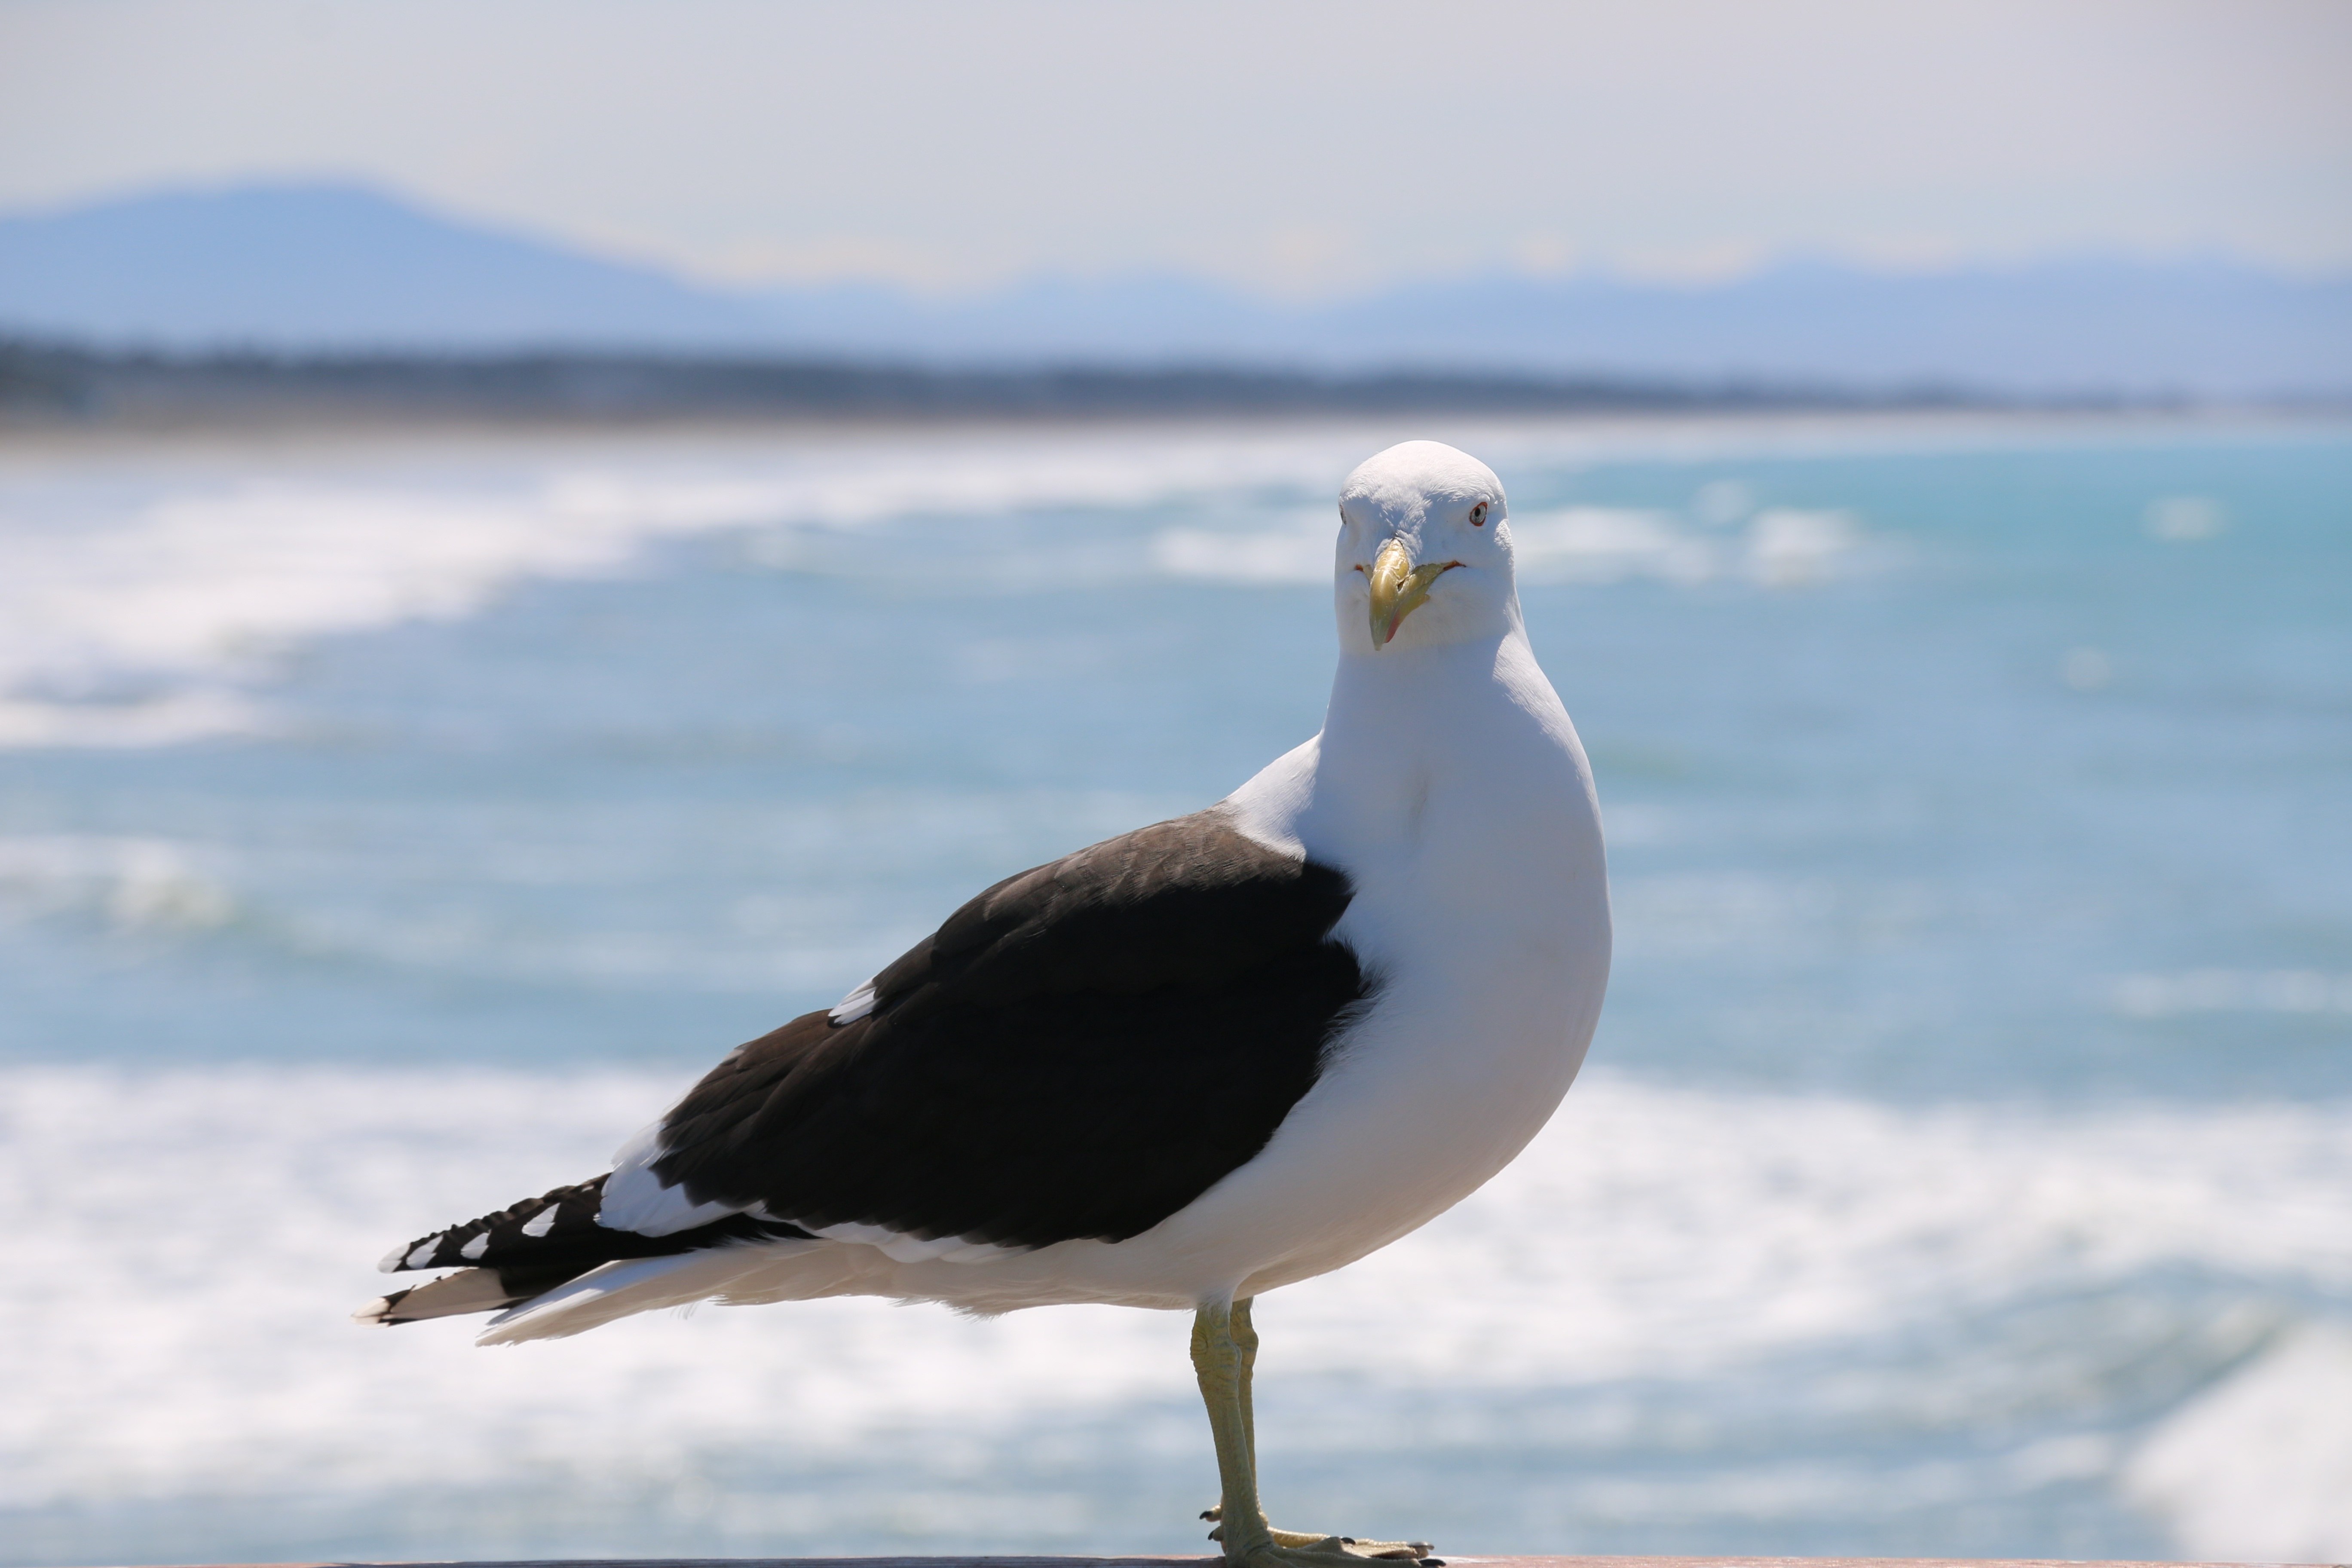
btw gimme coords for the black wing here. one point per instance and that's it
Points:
(1080, 1051)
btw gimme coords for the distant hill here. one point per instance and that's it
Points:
(305, 266)
(335, 269)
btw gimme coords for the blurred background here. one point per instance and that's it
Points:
(538, 541)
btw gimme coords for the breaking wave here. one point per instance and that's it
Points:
(189, 1243)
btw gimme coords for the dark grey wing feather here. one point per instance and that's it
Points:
(1080, 1051)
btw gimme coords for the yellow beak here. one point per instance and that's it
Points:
(1399, 588)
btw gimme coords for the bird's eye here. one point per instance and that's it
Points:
(1478, 515)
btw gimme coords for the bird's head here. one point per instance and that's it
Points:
(1424, 555)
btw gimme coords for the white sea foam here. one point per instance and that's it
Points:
(129, 627)
(2231, 991)
(1788, 546)
(185, 1247)
(125, 881)
(1609, 544)
(1300, 552)
(2261, 1465)
(135, 609)
(2184, 519)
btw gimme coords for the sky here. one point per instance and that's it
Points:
(1303, 150)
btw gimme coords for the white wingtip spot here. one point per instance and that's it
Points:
(635, 1199)
(474, 1249)
(539, 1224)
(389, 1262)
(853, 1006)
(422, 1257)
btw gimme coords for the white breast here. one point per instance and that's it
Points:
(1453, 790)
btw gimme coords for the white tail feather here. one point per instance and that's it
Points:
(639, 1285)
(468, 1290)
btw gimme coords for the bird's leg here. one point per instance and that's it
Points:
(1244, 1334)
(1219, 1363)
(1245, 1340)
(1224, 1357)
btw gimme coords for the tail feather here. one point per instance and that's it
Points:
(508, 1258)
(617, 1291)
(452, 1295)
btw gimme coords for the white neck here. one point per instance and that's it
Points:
(1448, 775)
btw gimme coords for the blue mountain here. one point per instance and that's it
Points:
(326, 266)
(330, 267)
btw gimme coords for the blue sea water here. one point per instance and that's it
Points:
(387, 825)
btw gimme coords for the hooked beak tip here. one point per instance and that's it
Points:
(1399, 588)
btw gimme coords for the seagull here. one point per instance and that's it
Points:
(1175, 1069)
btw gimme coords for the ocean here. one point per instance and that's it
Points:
(389, 825)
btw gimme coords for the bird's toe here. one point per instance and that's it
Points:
(1306, 1549)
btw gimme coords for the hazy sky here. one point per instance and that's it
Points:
(1311, 147)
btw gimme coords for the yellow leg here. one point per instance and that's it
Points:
(1224, 1359)
(1219, 1363)
(1245, 1333)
